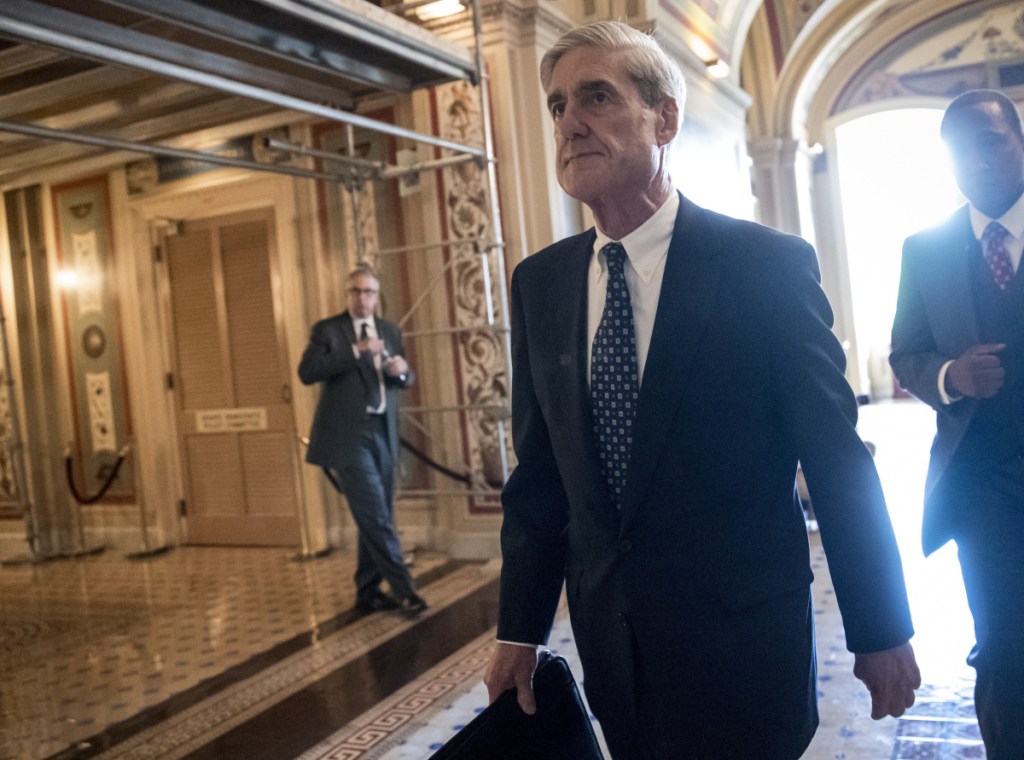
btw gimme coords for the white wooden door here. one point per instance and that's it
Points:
(231, 383)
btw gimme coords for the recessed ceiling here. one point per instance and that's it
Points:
(157, 71)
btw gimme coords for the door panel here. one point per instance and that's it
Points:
(215, 479)
(266, 492)
(234, 416)
(200, 380)
(250, 313)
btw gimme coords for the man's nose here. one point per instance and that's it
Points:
(571, 123)
(976, 159)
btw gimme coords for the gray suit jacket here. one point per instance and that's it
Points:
(341, 411)
(936, 321)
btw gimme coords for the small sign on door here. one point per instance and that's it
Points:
(231, 420)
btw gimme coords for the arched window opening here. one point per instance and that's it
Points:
(894, 180)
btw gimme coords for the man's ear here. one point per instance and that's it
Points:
(669, 120)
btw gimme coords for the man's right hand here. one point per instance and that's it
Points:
(370, 345)
(978, 373)
(512, 666)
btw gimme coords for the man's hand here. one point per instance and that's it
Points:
(512, 666)
(395, 366)
(370, 345)
(891, 677)
(978, 373)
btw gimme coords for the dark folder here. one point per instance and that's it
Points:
(559, 730)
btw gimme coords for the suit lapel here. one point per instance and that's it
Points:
(951, 284)
(685, 304)
(389, 336)
(575, 354)
(349, 329)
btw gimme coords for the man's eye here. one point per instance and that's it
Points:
(557, 109)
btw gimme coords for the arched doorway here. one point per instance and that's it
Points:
(893, 180)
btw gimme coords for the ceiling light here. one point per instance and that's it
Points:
(717, 68)
(439, 9)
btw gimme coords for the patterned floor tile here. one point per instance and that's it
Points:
(435, 707)
(89, 642)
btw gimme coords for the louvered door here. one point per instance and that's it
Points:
(231, 384)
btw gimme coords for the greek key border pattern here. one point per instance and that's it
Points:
(213, 717)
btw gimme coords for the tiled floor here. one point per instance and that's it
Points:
(231, 653)
(417, 720)
(90, 643)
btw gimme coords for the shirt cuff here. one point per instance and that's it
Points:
(946, 398)
(518, 643)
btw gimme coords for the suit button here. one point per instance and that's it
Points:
(625, 546)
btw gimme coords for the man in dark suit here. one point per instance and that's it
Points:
(359, 360)
(659, 484)
(958, 345)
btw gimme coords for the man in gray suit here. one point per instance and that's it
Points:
(359, 360)
(670, 366)
(958, 345)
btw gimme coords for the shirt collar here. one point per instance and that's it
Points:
(1012, 220)
(649, 242)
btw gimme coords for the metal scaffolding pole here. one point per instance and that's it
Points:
(126, 47)
(66, 135)
(98, 49)
(497, 250)
(372, 169)
(25, 505)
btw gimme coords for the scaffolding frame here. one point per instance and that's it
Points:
(490, 249)
(19, 22)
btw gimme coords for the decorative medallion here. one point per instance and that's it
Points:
(94, 341)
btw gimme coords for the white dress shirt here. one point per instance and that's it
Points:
(1013, 221)
(646, 251)
(371, 332)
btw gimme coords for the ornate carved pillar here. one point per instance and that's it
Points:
(476, 301)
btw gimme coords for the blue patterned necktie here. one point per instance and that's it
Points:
(614, 376)
(994, 247)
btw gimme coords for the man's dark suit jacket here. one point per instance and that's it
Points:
(341, 411)
(936, 321)
(743, 378)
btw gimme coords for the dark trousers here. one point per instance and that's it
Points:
(990, 539)
(368, 484)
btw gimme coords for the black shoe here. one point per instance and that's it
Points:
(378, 601)
(413, 605)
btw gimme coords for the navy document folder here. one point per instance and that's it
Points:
(559, 730)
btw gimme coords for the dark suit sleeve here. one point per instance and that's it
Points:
(915, 358)
(821, 413)
(536, 509)
(328, 354)
(393, 341)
